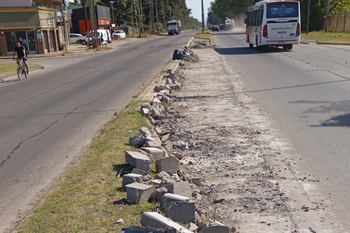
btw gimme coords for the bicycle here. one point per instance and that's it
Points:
(21, 70)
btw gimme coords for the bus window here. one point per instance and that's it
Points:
(280, 10)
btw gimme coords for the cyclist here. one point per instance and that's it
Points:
(21, 54)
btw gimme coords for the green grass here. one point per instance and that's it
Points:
(321, 36)
(11, 68)
(205, 35)
(88, 198)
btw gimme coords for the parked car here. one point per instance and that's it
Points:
(215, 28)
(109, 36)
(76, 38)
(119, 34)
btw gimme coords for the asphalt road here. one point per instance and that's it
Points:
(306, 93)
(47, 120)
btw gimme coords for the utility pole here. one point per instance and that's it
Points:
(157, 19)
(112, 9)
(327, 17)
(85, 15)
(140, 19)
(63, 15)
(203, 17)
(93, 22)
(132, 16)
(308, 17)
(157, 12)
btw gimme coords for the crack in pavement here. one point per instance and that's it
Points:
(8, 157)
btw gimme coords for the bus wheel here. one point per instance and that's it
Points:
(288, 47)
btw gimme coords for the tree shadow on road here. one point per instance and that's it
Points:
(336, 121)
(343, 107)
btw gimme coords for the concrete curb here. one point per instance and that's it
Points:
(324, 43)
(331, 43)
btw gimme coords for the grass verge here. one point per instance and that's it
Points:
(89, 198)
(333, 37)
(11, 68)
(205, 35)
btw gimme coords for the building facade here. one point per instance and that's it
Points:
(37, 24)
(102, 15)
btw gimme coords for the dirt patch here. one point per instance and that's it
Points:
(251, 181)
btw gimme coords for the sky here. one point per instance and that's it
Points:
(196, 7)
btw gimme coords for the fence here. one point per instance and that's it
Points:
(339, 23)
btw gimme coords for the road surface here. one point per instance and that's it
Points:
(46, 120)
(306, 93)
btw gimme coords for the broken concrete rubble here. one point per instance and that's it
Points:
(138, 160)
(138, 193)
(175, 192)
(145, 132)
(181, 188)
(215, 227)
(157, 221)
(131, 178)
(159, 193)
(153, 144)
(155, 152)
(169, 164)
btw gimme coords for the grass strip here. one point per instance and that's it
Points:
(89, 197)
(205, 35)
(333, 37)
(11, 68)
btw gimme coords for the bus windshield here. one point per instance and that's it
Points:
(282, 10)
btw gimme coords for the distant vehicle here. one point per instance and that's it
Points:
(273, 23)
(229, 24)
(119, 34)
(109, 37)
(76, 38)
(174, 27)
(215, 28)
(101, 36)
(222, 26)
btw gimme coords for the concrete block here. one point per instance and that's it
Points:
(181, 188)
(155, 152)
(183, 212)
(138, 160)
(138, 193)
(159, 193)
(145, 132)
(157, 221)
(138, 171)
(169, 164)
(131, 178)
(170, 197)
(216, 227)
(137, 141)
(154, 144)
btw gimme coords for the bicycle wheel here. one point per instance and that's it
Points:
(19, 73)
(24, 71)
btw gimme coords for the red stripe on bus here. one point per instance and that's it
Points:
(279, 40)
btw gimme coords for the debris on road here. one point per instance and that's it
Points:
(222, 161)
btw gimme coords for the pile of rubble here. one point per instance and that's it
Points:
(177, 193)
(184, 56)
(201, 44)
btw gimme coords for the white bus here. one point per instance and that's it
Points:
(273, 23)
